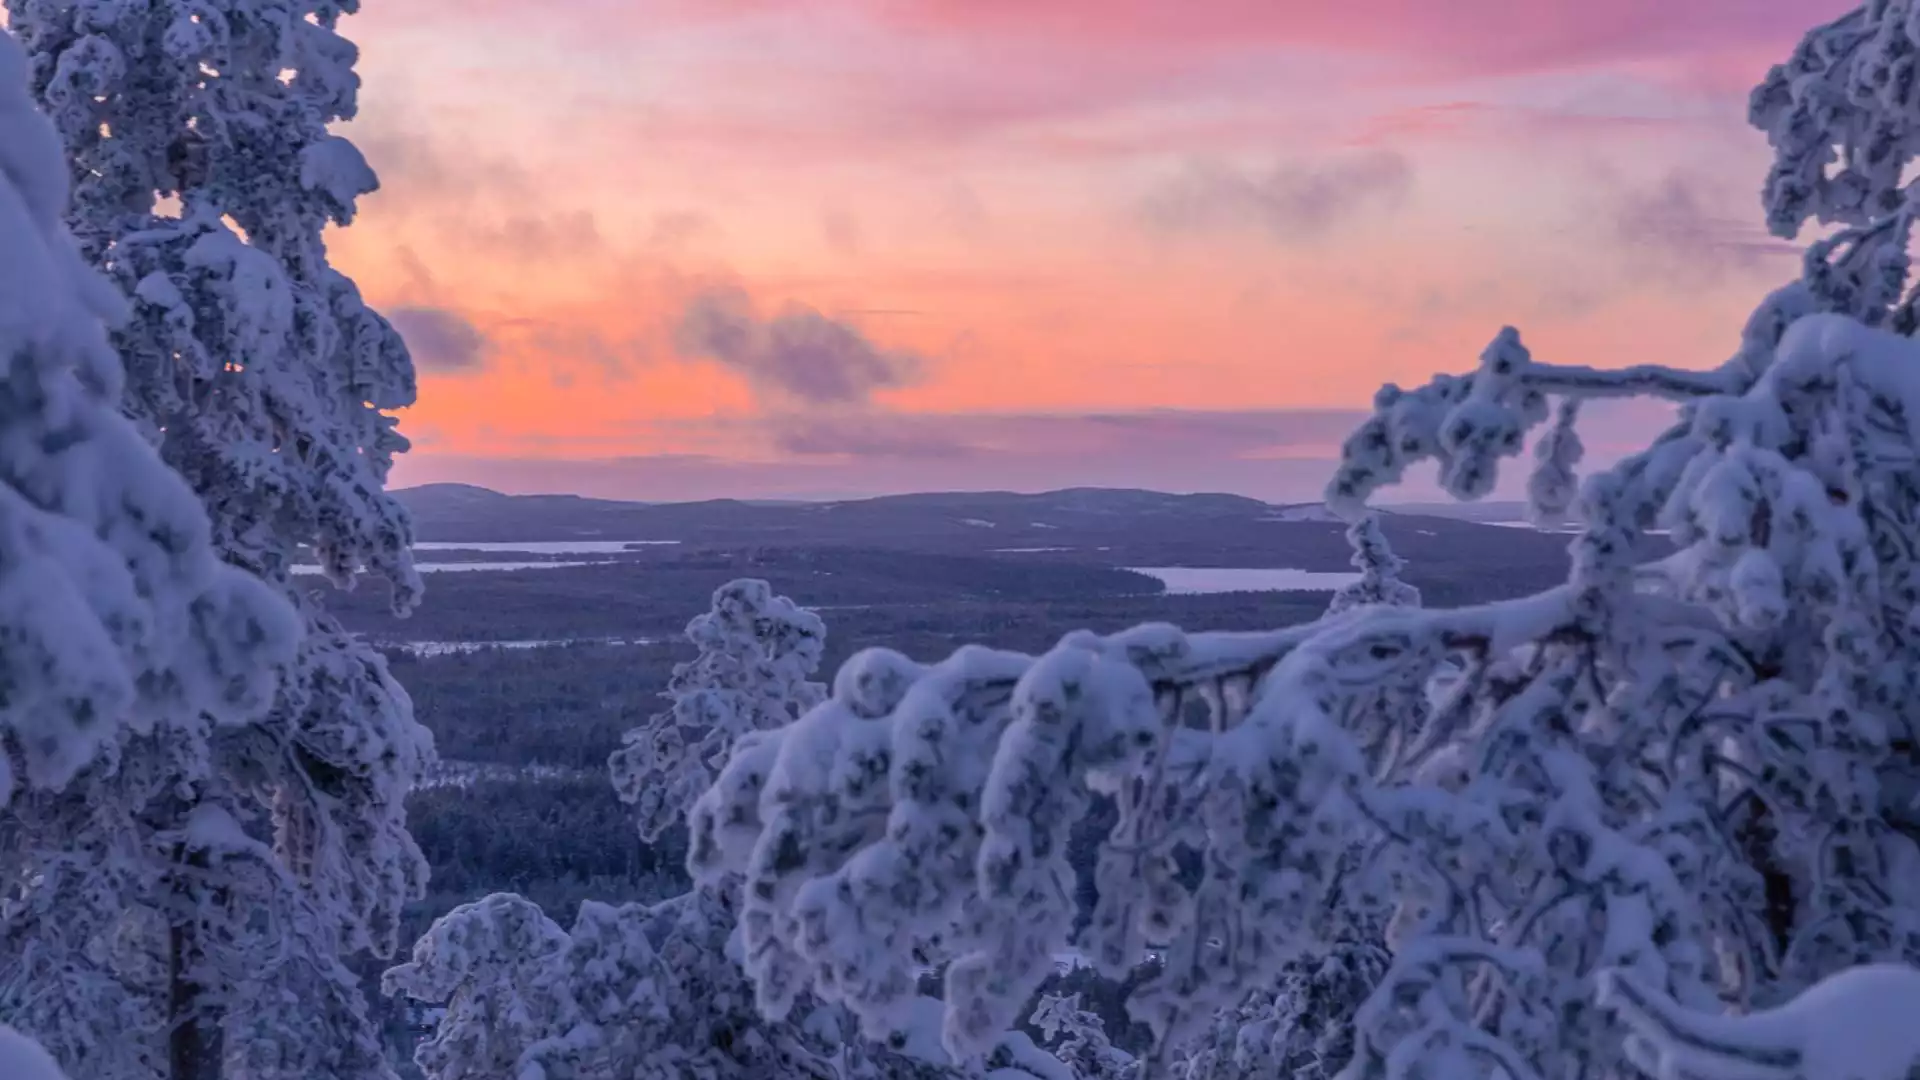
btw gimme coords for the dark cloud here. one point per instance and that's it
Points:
(798, 355)
(565, 351)
(441, 341)
(1681, 227)
(1293, 202)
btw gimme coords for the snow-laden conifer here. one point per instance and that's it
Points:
(757, 654)
(128, 639)
(204, 176)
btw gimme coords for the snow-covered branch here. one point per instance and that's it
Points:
(1856, 1024)
(22, 1059)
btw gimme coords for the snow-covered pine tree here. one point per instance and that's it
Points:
(266, 381)
(757, 654)
(1687, 779)
(125, 630)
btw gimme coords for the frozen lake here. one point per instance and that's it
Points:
(1531, 525)
(452, 648)
(1191, 581)
(547, 547)
(434, 568)
(1568, 528)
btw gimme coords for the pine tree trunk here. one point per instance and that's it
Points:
(194, 1045)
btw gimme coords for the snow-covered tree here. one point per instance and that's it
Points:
(204, 176)
(1379, 571)
(126, 634)
(632, 992)
(1687, 777)
(493, 964)
(758, 653)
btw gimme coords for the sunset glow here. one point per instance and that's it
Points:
(722, 248)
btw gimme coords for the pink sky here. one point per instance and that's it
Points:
(707, 248)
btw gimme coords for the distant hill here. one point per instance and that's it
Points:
(452, 512)
(467, 512)
(455, 500)
(1115, 527)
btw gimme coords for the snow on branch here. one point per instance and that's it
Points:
(922, 812)
(1844, 125)
(1856, 1025)
(1468, 423)
(22, 1059)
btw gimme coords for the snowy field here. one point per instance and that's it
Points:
(1194, 581)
